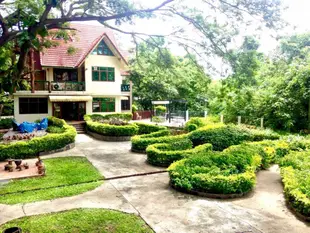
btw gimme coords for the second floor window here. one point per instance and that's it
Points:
(103, 74)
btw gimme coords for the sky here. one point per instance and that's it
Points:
(296, 15)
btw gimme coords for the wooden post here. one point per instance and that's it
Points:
(206, 113)
(262, 122)
(239, 120)
(49, 87)
(32, 77)
(222, 119)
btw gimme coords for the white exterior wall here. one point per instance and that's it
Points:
(30, 117)
(102, 87)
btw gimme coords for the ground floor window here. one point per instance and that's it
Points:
(103, 104)
(126, 104)
(33, 106)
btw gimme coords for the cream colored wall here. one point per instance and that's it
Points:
(100, 87)
(49, 74)
(30, 117)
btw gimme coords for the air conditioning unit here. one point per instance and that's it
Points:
(56, 86)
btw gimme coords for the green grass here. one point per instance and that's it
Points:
(72, 174)
(81, 220)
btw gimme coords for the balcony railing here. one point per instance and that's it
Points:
(67, 86)
(57, 86)
(125, 88)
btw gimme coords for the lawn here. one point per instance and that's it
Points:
(81, 220)
(66, 176)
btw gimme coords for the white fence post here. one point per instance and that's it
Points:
(187, 116)
(239, 120)
(222, 119)
(206, 113)
(262, 122)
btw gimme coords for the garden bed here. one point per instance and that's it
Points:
(33, 147)
(108, 138)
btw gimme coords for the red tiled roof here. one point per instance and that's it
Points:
(84, 40)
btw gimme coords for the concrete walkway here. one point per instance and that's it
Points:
(163, 208)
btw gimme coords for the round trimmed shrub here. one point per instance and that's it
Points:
(145, 128)
(49, 142)
(191, 127)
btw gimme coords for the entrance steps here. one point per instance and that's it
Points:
(80, 126)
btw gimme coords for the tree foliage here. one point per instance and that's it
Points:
(158, 75)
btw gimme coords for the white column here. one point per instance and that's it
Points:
(239, 120)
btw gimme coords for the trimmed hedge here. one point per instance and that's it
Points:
(163, 154)
(296, 179)
(229, 172)
(222, 136)
(107, 129)
(98, 117)
(140, 143)
(6, 123)
(145, 128)
(112, 130)
(27, 149)
(198, 122)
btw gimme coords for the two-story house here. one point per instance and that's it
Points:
(87, 80)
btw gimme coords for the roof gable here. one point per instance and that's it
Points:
(85, 39)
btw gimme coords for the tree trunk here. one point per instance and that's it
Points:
(1, 109)
(309, 114)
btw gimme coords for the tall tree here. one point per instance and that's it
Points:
(26, 23)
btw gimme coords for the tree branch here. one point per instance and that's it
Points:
(105, 18)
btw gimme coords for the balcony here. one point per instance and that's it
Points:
(125, 88)
(58, 86)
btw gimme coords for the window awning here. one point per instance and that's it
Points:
(70, 98)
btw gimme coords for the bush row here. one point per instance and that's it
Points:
(148, 128)
(27, 149)
(222, 136)
(296, 179)
(112, 130)
(163, 154)
(99, 117)
(140, 143)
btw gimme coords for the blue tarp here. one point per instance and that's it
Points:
(27, 127)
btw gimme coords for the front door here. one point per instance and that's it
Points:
(69, 111)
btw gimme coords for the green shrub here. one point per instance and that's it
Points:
(222, 136)
(201, 121)
(55, 129)
(163, 154)
(160, 109)
(27, 149)
(145, 128)
(99, 117)
(134, 108)
(140, 143)
(112, 130)
(6, 123)
(297, 189)
(108, 129)
(229, 172)
(219, 135)
(191, 127)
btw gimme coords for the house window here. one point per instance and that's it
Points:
(32, 105)
(102, 49)
(125, 104)
(65, 75)
(103, 74)
(103, 105)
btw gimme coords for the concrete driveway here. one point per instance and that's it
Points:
(163, 208)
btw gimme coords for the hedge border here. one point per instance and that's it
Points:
(185, 153)
(108, 138)
(209, 195)
(32, 148)
(295, 211)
